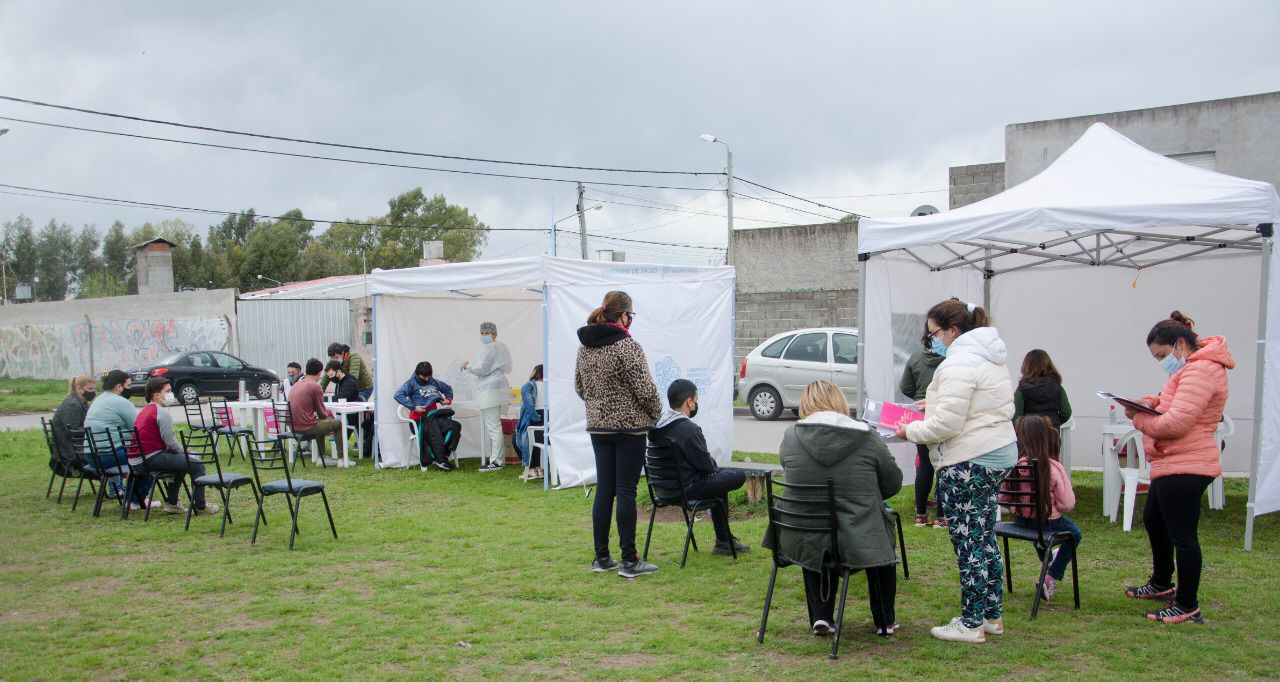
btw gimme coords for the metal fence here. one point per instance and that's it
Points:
(273, 333)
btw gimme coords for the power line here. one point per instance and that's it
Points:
(685, 210)
(789, 208)
(639, 241)
(339, 145)
(883, 194)
(811, 201)
(317, 157)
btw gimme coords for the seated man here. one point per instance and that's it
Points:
(438, 434)
(163, 454)
(703, 479)
(345, 388)
(307, 411)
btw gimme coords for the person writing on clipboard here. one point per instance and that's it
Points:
(1181, 447)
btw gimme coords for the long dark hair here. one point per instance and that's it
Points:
(1039, 442)
(1178, 326)
(1038, 365)
(615, 304)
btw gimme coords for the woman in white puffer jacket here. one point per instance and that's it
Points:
(969, 412)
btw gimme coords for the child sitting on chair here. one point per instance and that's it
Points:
(1038, 445)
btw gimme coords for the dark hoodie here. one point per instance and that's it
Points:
(918, 373)
(825, 446)
(677, 431)
(612, 377)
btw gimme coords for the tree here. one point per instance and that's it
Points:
(115, 252)
(20, 257)
(101, 284)
(273, 251)
(85, 256)
(55, 261)
(226, 248)
(431, 219)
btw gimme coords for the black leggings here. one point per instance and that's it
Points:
(822, 590)
(1172, 516)
(924, 479)
(619, 459)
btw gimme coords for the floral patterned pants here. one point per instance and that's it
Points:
(967, 495)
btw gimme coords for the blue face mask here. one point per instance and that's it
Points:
(1172, 363)
(937, 347)
(486, 340)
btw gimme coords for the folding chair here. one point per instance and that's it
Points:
(666, 489)
(284, 431)
(84, 462)
(1020, 490)
(138, 467)
(902, 542)
(267, 456)
(223, 425)
(60, 470)
(101, 444)
(202, 448)
(810, 510)
(196, 420)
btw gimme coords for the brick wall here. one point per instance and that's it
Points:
(761, 315)
(975, 183)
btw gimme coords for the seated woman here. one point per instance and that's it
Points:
(530, 415)
(70, 415)
(161, 451)
(827, 444)
(438, 434)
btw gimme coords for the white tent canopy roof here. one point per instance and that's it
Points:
(1105, 181)
(517, 273)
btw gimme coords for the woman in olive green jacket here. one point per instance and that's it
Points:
(827, 444)
(916, 377)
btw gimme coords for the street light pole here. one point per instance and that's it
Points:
(728, 192)
(582, 223)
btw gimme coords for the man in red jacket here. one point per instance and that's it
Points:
(306, 408)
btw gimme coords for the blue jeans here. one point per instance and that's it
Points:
(1058, 568)
(141, 484)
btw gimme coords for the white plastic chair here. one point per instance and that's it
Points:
(1064, 455)
(402, 413)
(1131, 476)
(1218, 496)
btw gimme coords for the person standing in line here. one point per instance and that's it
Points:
(1040, 390)
(70, 415)
(493, 392)
(828, 444)
(968, 415)
(612, 377)
(1182, 450)
(916, 377)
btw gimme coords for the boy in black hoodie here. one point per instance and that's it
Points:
(704, 480)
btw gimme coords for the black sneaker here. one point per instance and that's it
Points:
(1174, 614)
(604, 565)
(1149, 591)
(442, 465)
(634, 569)
(491, 466)
(722, 548)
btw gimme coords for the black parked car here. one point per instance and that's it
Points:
(205, 372)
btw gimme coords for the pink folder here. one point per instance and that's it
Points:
(891, 415)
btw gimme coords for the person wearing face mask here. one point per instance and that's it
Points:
(1182, 450)
(352, 365)
(703, 478)
(70, 415)
(612, 378)
(969, 420)
(163, 454)
(916, 377)
(493, 392)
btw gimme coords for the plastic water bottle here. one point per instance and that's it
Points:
(1114, 419)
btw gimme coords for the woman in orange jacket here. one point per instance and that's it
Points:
(1182, 449)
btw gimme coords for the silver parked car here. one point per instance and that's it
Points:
(774, 375)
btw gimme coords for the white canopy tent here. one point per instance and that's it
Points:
(1105, 202)
(684, 321)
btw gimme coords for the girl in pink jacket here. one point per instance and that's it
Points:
(1181, 447)
(1038, 445)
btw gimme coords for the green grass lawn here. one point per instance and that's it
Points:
(29, 396)
(464, 575)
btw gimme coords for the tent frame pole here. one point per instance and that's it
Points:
(863, 260)
(1265, 229)
(546, 365)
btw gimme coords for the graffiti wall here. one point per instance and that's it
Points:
(121, 334)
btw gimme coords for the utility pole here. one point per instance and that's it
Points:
(582, 223)
(728, 254)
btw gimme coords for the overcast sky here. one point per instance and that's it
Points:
(820, 99)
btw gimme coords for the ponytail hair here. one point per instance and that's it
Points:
(1178, 326)
(964, 316)
(611, 310)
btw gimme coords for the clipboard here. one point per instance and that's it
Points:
(1127, 402)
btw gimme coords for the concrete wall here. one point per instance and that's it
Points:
(794, 277)
(975, 183)
(53, 340)
(1240, 131)
(155, 269)
(796, 258)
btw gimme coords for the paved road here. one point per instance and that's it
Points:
(20, 422)
(750, 435)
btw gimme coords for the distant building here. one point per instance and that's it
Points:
(154, 266)
(1235, 136)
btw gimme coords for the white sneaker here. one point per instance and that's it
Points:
(993, 627)
(822, 628)
(955, 631)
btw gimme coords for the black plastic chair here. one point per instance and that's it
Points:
(202, 448)
(283, 418)
(666, 489)
(81, 446)
(1020, 490)
(196, 420)
(99, 444)
(810, 510)
(902, 541)
(65, 472)
(267, 456)
(222, 425)
(139, 471)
